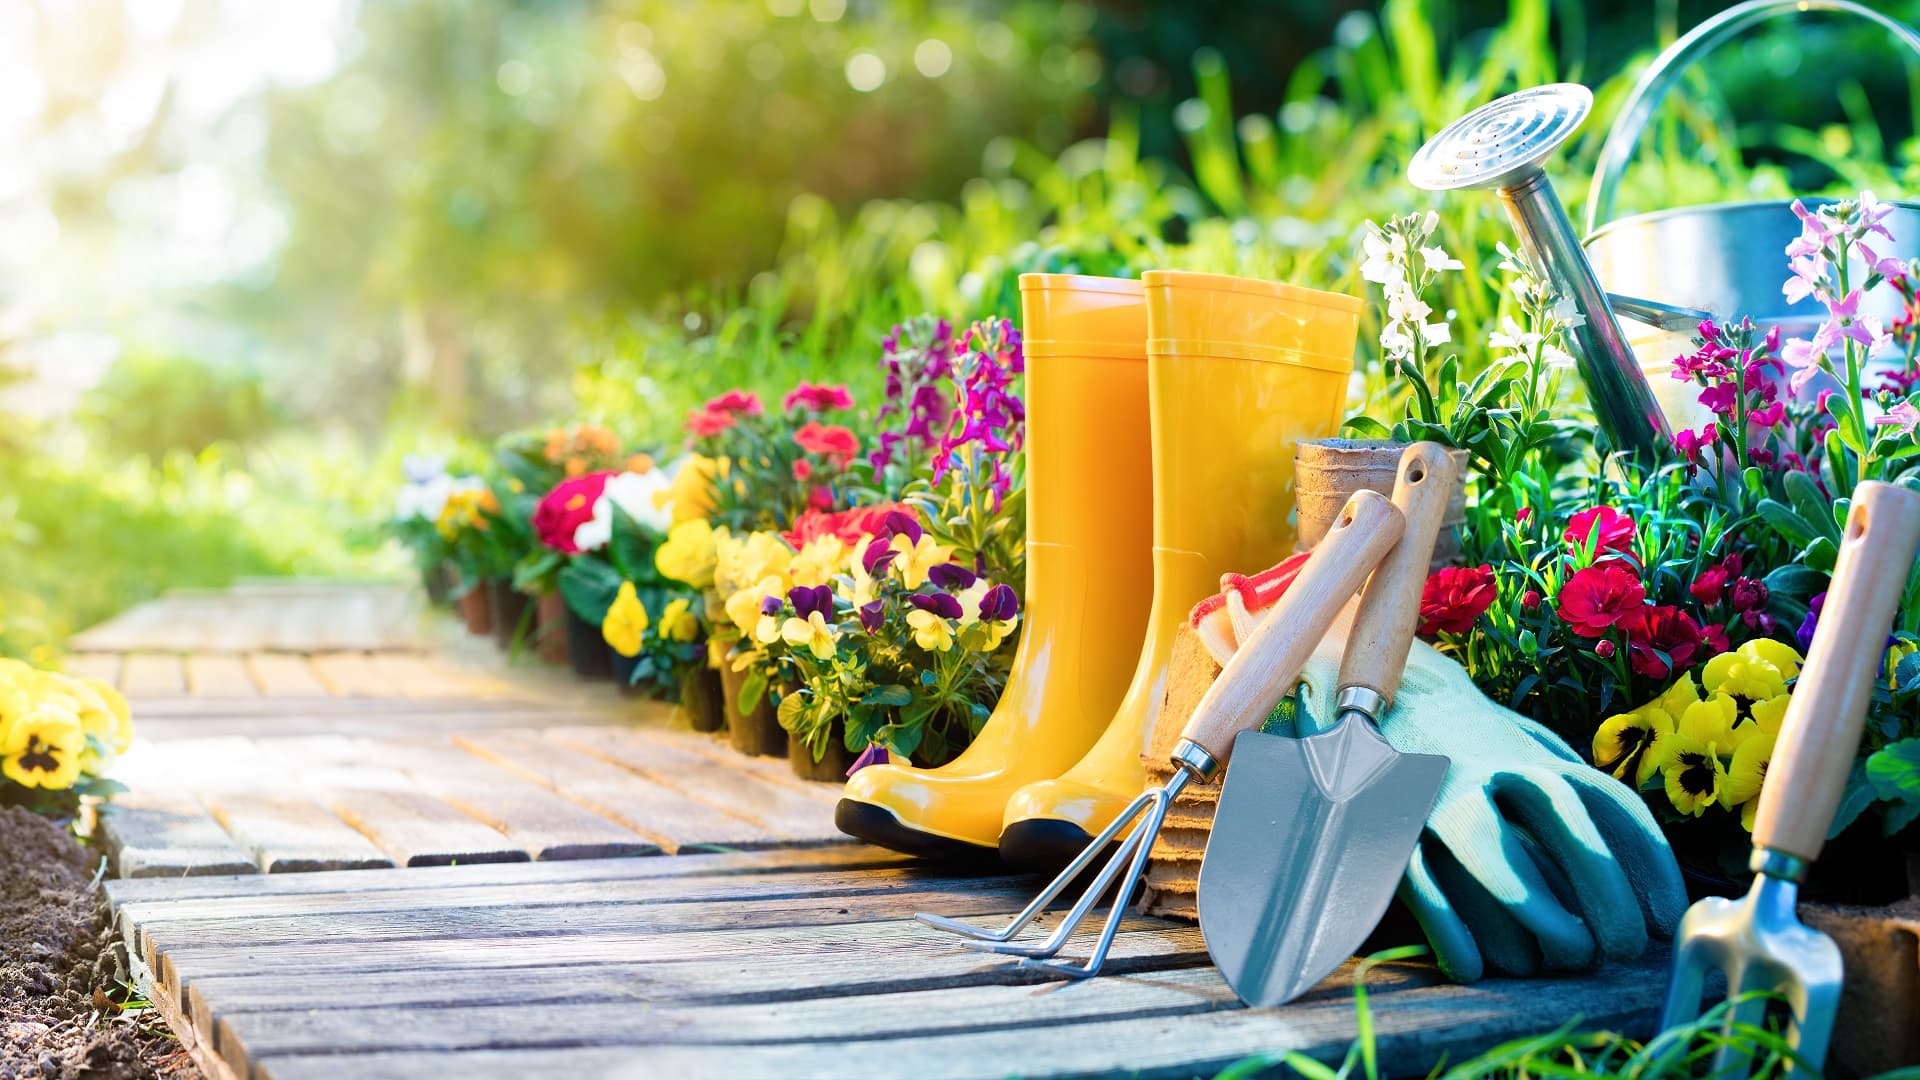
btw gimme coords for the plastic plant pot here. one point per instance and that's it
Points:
(586, 648)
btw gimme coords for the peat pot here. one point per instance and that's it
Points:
(512, 612)
(586, 648)
(1726, 259)
(831, 768)
(757, 732)
(1326, 473)
(551, 628)
(702, 699)
(476, 608)
(621, 668)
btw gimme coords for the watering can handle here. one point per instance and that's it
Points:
(1617, 153)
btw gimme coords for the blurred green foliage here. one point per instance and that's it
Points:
(151, 404)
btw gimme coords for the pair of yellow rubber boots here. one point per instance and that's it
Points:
(1201, 382)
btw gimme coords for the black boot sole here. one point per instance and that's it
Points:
(878, 825)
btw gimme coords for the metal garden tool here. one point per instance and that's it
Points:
(1312, 835)
(1264, 671)
(1758, 941)
(1501, 146)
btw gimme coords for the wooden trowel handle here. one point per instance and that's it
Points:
(1270, 661)
(1390, 608)
(1821, 732)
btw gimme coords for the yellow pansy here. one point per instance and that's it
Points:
(916, 558)
(1748, 771)
(1768, 715)
(1695, 776)
(1710, 721)
(113, 731)
(41, 747)
(1784, 659)
(1899, 651)
(690, 552)
(930, 631)
(678, 622)
(816, 563)
(1678, 696)
(864, 588)
(744, 560)
(1626, 742)
(626, 621)
(691, 493)
(743, 606)
(811, 633)
(1737, 675)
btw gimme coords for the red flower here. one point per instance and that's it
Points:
(832, 441)
(1748, 594)
(1664, 641)
(1604, 650)
(702, 423)
(820, 498)
(1605, 595)
(1714, 640)
(1530, 599)
(564, 509)
(851, 526)
(802, 470)
(1615, 529)
(1710, 585)
(822, 398)
(742, 402)
(1454, 598)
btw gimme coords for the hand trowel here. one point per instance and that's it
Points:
(1313, 834)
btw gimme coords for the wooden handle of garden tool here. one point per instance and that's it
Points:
(1821, 732)
(1269, 662)
(1390, 608)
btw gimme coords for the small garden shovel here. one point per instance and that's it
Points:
(1759, 941)
(1312, 835)
(1262, 672)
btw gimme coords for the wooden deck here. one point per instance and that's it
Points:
(564, 941)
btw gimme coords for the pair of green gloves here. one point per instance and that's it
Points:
(1532, 860)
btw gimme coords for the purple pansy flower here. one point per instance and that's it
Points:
(938, 603)
(999, 604)
(873, 616)
(951, 576)
(808, 600)
(771, 605)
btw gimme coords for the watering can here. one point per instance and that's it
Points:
(1727, 259)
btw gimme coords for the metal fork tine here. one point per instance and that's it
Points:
(1145, 835)
(1814, 1007)
(1747, 987)
(1089, 899)
(1686, 989)
(1054, 888)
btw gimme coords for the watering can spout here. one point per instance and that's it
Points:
(1501, 146)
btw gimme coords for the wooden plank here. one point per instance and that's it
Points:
(660, 814)
(102, 666)
(152, 675)
(290, 832)
(1413, 1027)
(434, 677)
(326, 705)
(154, 832)
(780, 860)
(211, 675)
(780, 808)
(285, 675)
(716, 748)
(351, 674)
(541, 823)
(415, 828)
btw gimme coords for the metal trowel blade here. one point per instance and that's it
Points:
(1309, 842)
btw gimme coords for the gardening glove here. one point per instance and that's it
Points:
(1532, 860)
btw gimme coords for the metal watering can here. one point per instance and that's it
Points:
(1666, 270)
(1725, 258)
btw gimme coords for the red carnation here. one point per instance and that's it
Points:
(832, 441)
(743, 402)
(1605, 595)
(1615, 530)
(1663, 632)
(822, 398)
(851, 526)
(1714, 640)
(1454, 599)
(1748, 594)
(1708, 587)
(702, 423)
(567, 507)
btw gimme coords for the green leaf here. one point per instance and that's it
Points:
(888, 695)
(1798, 581)
(1821, 555)
(1859, 795)
(792, 707)
(1366, 427)
(1906, 674)
(1795, 529)
(589, 586)
(1894, 770)
(1811, 505)
(631, 548)
(752, 690)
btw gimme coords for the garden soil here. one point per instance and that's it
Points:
(63, 975)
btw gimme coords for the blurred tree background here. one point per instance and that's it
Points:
(253, 252)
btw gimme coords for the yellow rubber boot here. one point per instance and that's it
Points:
(1240, 370)
(1089, 533)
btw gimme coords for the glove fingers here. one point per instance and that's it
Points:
(1454, 947)
(1636, 841)
(1490, 852)
(1507, 947)
(1546, 805)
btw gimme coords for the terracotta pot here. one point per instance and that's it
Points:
(512, 613)
(621, 667)
(1326, 473)
(551, 629)
(832, 768)
(757, 732)
(702, 699)
(476, 607)
(586, 648)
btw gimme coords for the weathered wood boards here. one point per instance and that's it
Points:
(786, 963)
